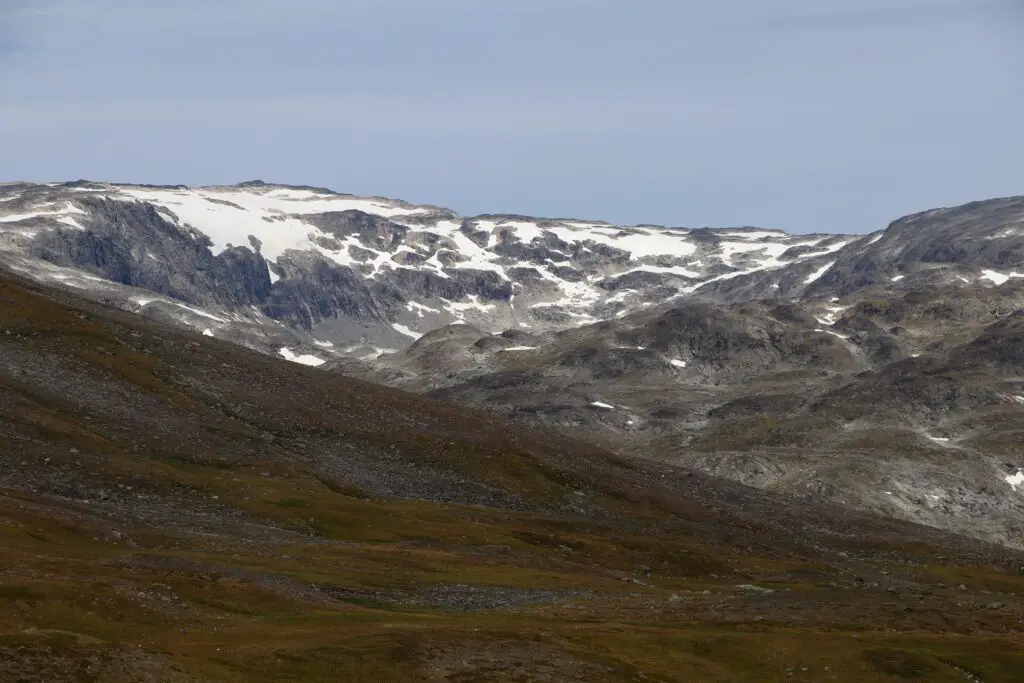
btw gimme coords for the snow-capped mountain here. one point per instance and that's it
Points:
(310, 274)
(283, 266)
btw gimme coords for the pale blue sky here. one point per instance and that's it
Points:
(804, 115)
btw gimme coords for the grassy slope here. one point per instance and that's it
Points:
(180, 509)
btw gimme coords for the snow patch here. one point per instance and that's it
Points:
(599, 404)
(681, 271)
(207, 332)
(306, 359)
(420, 309)
(402, 329)
(620, 296)
(999, 278)
(639, 242)
(200, 312)
(936, 439)
(676, 363)
(818, 273)
(230, 215)
(830, 317)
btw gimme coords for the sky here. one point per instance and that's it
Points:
(803, 115)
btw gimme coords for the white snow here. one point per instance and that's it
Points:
(818, 273)
(58, 213)
(830, 317)
(620, 296)
(526, 231)
(599, 404)
(830, 249)
(666, 270)
(750, 234)
(639, 242)
(898, 278)
(477, 258)
(475, 305)
(519, 348)
(307, 359)
(1016, 480)
(405, 330)
(772, 250)
(675, 362)
(420, 309)
(999, 278)
(323, 344)
(198, 311)
(207, 332)
(269, 216)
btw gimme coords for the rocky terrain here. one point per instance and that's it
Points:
(174, 507)
(894, 382)
(854, 401)
(880, 372)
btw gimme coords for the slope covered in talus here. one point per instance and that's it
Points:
(176, 508)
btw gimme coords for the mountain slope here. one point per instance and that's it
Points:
(176, 508)
(906, 402)
(793, 363)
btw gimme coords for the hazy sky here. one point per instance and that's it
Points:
(797, 114)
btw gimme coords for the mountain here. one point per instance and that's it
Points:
(175, 508)
(880, 372)
(322, 274)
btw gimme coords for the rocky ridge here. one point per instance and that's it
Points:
(321, 274)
